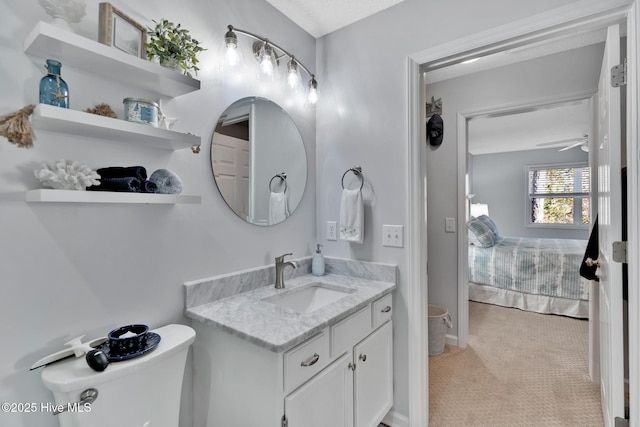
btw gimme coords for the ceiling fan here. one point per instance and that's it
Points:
(582, 142)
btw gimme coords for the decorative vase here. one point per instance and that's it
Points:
(64, 11)
(54, 90)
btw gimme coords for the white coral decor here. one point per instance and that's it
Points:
(67, 175)
(64, 11)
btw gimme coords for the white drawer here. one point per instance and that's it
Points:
(346, 333)
(305, 360)
(382, 310)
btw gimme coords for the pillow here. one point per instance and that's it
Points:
(480, 234)
(492, 225)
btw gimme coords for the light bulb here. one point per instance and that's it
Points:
(312, 97)
(293, 75)
(233, 55)
(268, 64)
(312, 91)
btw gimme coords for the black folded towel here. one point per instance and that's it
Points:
(123, 172)
(126, 184)
(591, 252)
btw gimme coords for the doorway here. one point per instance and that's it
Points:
(560, 22)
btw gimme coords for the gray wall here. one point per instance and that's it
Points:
(548, 76)
(500, 180)
(73, 269)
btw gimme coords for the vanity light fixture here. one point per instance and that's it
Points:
(268, 55)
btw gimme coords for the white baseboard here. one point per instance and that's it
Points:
(451, 340)
(395, 419)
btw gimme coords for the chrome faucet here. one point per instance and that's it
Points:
(280, 265)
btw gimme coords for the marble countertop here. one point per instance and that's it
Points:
(277, 328)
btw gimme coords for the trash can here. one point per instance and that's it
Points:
(439, 322)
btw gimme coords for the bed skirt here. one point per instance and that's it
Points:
(529, 302)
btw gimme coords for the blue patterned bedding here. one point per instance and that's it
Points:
(547, 267)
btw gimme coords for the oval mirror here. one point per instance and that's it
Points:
(258, 161)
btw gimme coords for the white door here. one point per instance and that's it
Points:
(610, 230)
(324, 401)
(373, 383)
(230, 157)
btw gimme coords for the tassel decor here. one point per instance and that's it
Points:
(17, 128)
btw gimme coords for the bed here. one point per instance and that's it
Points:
(533, 274)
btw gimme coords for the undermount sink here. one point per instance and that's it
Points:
(309, 298)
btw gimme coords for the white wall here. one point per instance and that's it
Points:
(553, 75)
(73, 269)
(500, 180)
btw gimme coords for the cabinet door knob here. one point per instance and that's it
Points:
(312, 361)
(386, 309)
(352, 366)
(363, 357)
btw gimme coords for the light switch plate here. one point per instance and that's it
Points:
(450, 225)
(332, 230)
(392, 235)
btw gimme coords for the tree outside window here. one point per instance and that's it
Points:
(559, 194)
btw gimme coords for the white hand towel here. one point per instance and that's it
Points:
(351, 216)
(278, 207)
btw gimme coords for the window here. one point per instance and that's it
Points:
(559, 194)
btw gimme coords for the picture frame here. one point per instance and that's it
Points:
(120, 31)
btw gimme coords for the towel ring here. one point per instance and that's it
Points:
(357, 171)
(283, 178)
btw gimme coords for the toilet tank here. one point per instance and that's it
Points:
(140, 392)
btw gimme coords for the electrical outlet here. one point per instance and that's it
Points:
(392, 235)
(332, 230)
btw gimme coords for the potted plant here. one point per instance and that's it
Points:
(173, 47)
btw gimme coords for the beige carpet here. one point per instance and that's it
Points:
(519, 369)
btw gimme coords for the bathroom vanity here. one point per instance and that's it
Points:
(317, 353)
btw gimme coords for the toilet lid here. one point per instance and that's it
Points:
(75, 374)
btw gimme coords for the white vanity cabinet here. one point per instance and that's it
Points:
(341, 377)
(355, 390)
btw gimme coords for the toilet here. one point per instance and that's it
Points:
(140, 392)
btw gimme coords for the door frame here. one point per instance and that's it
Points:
(573, 18)
(463, 118)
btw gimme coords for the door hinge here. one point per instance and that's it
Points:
(619, 252)
(619, 74)
(285, 423)
(621, 422)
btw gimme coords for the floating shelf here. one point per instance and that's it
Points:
(49, 41)
(71, 196)
(73, 122)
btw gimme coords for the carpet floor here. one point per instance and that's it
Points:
(519, 369)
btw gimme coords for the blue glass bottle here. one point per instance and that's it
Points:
(54, 90)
